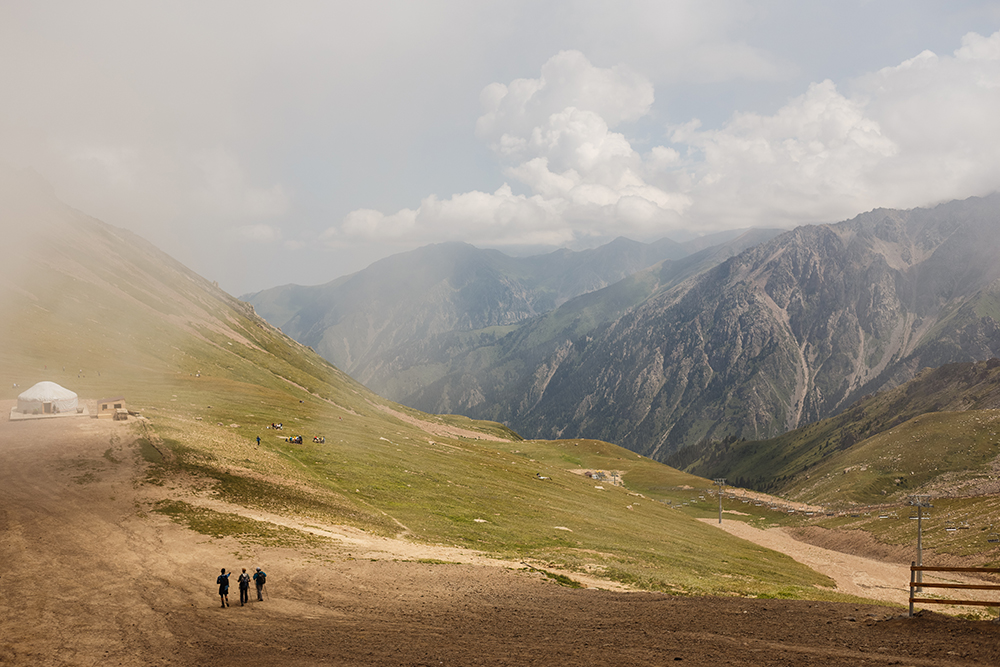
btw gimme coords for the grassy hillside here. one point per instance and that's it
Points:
(938, 435)
(780, 464)
(944, 452)
(104, 313)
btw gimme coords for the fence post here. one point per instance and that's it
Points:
(912, 565)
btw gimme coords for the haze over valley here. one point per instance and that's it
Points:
(500, 333)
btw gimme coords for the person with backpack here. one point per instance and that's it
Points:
(223, 581)
(244, 581)
(260, 578)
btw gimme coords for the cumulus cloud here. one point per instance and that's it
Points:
(514, 112)
(908, 135)
(475, 217)
(941, 111)
(912, 134)
(818, 150)
(554, 135)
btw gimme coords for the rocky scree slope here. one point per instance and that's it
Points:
(784, 333)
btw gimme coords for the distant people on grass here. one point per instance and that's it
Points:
(244, 581)
(223, 581)
(260, 578)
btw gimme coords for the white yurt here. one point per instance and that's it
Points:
(46, 398)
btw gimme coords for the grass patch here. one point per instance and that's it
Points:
(561, 579)
(249, 490)
(149, 452)
(247, 531)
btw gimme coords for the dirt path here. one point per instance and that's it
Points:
(439, 429)
(89, 577)
(855, 575)
(357, 544)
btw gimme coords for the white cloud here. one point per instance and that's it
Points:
(476, 217)
(552, 134)
(820, 151)
(909, 135)
(942, 113)
(977, 47)
(913, 134)
(568, 80)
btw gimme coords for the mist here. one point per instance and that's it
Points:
(262, 144)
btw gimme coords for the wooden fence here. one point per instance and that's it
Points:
(914, 584)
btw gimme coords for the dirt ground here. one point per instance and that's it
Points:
(886, 579)
(88, 577)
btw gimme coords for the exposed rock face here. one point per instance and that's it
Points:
(786, 332)
(361, 321)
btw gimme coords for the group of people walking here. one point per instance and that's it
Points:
(259, 578)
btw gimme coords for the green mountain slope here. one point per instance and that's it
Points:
(921, 435)
(104, 313)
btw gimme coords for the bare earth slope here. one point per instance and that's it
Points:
(88, 576)
(877, 579)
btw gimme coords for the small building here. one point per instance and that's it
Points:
(47, 398)
(112, 408)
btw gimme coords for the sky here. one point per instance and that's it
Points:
(267, 143)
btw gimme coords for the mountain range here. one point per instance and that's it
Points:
(392, 513)
(358, 321)
(102, 312)
(749, 337)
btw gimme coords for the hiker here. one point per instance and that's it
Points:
(244, 581)
(260, 578)
(223, 581)
(258, 441)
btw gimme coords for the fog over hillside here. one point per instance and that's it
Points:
(300, 143)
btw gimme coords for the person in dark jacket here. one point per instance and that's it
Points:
(244, 581)
(260, 578)
(223, 581)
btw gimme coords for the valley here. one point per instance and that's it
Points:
(748, 337)
(94, 574)
(551, 334)
(395, 536)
